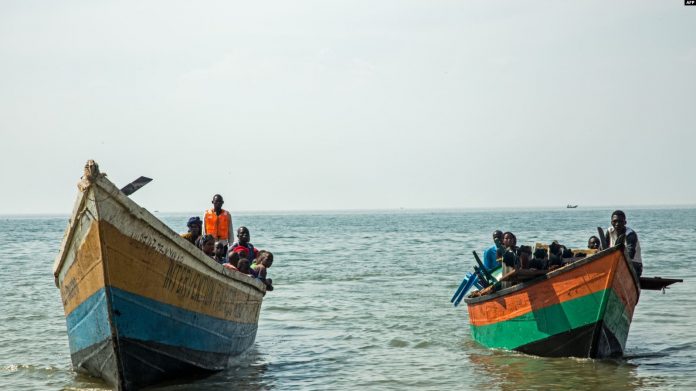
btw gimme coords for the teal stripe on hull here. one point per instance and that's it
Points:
(560, 318)
(617, 320)
(88, 324)
(139, 318)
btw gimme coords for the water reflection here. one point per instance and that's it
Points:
(245, 372)
(513, 371)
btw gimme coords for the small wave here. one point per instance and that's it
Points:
(642, 355)
(29, 368)
(677, 348)
(422, 345)
(398, 343)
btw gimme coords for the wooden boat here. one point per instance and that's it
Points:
(569, 206)
(142, 304)
(583, 309)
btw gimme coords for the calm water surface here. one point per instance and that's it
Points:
(362, 302)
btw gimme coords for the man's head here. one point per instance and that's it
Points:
(243, 265)
(217, 202)
(220, 249)
(497, 236)
(233, 258)
(540, 253)
(207, 244)
(618, 221)
(243, 235)
(593, 242)
(265, 258)
(509, 239)
(525, 254)
(195, 225)
(241, 252)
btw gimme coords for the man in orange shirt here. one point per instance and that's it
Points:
(218, 222)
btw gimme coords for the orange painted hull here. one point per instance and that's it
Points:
(583, 309)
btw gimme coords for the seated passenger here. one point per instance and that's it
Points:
(510, 260)
(593, 243)
(236, 255)
(232, 261)
(243, 267)
(243, 237)
(207, 244)
(539, 261)
(490, 257)
(555, 255)
(220, 252)
(233, 258)
(195, 226)
(524, 254)
(263, 262)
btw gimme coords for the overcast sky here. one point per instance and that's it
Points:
(311, 105)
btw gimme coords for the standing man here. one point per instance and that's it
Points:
(218, 222)
(620, 233)
(490, 257)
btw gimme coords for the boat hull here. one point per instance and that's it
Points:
(142, 304)
(582, 310)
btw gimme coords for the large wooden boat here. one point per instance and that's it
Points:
(142, 304)
(583, 309)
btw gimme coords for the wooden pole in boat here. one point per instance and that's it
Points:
(488, 277)
(602, 239)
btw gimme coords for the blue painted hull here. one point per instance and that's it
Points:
(150, 341)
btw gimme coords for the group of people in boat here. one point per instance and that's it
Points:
(505, 252)
(214, 235)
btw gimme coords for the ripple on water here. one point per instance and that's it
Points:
(398, 343)
(365, 287)
(423, 345)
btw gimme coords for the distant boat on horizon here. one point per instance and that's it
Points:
(569, 206)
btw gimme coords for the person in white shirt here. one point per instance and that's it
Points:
(620, 233)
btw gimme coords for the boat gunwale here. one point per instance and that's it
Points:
(554, 273)
(69, 234)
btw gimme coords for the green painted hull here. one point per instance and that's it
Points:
(574, 322)
(581, 310)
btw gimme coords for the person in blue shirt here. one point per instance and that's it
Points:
(490, 257)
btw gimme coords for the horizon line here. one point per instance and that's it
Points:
(398, 209)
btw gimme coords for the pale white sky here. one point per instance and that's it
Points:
(295, 105)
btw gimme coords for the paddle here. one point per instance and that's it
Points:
(461, 286)
(135, 185)
(489, 277)
(602, 239)
(469, 284)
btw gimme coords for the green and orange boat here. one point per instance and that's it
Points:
(583, 309)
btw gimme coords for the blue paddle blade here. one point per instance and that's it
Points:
(472, 280)
(461, 286)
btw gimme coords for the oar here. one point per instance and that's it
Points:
(468, 286)
(461, 286)
(135, 185)
(602, 239)
(489, 277)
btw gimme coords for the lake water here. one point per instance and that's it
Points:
(362, 302)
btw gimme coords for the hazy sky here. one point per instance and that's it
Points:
(287, 105)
